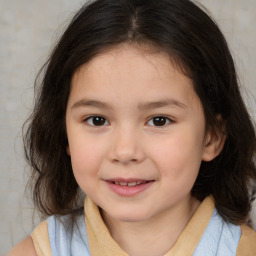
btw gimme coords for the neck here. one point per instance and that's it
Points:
(137, 238)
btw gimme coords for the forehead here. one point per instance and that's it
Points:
(116, 58)
(127, 69)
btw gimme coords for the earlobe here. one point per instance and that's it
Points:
(214, 143)
(68, 150)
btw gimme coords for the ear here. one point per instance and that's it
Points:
(214, 143)
(68, 150)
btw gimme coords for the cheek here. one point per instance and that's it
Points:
(179, 155)
(85, 156)
(85, 164)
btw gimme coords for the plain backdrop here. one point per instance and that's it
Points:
(28, 31)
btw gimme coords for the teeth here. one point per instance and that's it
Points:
(129, 184)
(132, 184)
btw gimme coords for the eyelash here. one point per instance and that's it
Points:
(89, 120)
(163, 121)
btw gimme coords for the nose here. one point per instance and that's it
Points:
(126, 147)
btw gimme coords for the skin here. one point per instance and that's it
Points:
(24, 248)
(128, 87)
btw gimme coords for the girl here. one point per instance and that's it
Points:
(139, 109)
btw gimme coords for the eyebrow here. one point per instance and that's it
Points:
(91, 103)
(161, 103)
(141, 106)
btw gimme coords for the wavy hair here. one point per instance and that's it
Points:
(197, 46)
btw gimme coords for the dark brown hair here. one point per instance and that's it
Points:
(197, 46)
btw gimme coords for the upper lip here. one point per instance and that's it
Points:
(127, 180)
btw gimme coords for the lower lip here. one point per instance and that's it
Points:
(129, 191)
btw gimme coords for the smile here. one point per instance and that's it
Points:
(128, 188)
(129, 184)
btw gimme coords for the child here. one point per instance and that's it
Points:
(140, 110)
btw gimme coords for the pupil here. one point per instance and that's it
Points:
(159, 121)
(98, 121)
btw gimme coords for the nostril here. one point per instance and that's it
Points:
(126, 153)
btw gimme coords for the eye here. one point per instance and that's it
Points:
(96, 121)
(159, 121)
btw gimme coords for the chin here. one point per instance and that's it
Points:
(128, 215)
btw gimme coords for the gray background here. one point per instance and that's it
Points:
(28, 30)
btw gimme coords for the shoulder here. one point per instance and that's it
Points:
(247, 244)
(41, 239)
(24, 248)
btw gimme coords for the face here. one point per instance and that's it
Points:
(136, 133)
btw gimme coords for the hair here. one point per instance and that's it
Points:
(197, 46)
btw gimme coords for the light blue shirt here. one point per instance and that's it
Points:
(220, 238)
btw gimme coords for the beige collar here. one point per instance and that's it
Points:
(101, 242)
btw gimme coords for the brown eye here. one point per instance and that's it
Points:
(96, 121)
(159, 121)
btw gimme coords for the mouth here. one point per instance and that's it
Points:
(129, 187)
(129, 184)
